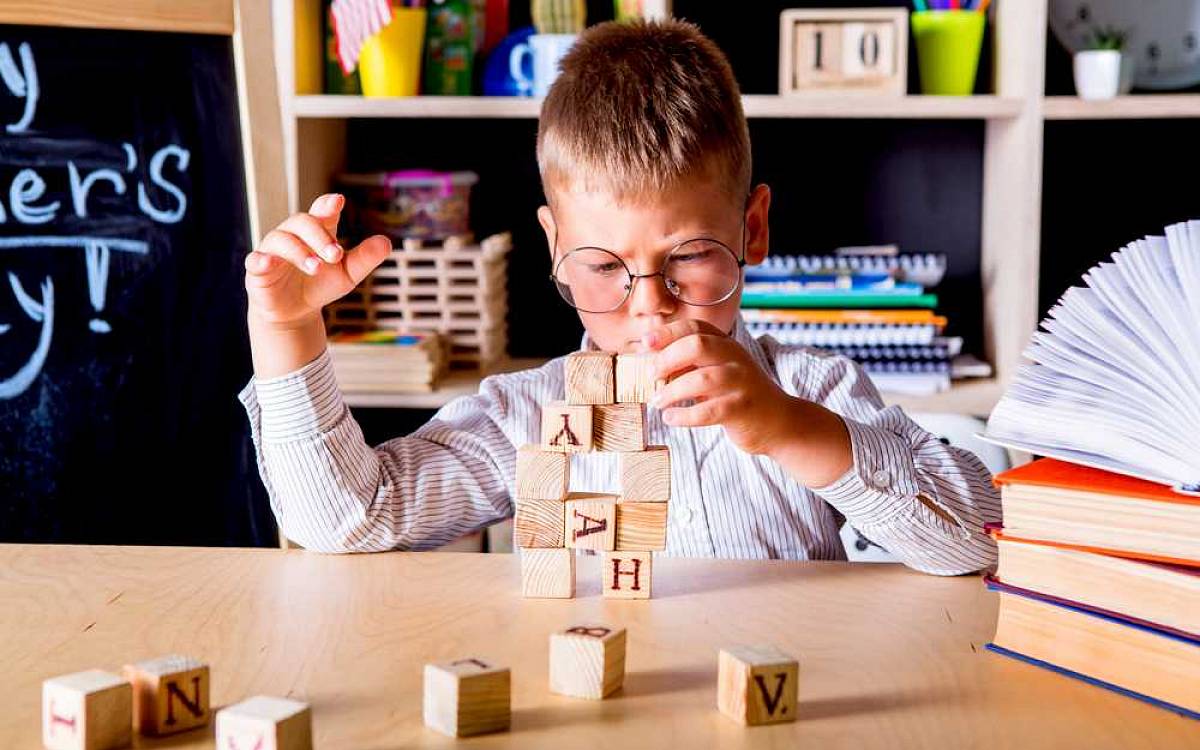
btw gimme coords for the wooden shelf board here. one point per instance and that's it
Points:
(1132, 107)
(826, 106)
(454, 384)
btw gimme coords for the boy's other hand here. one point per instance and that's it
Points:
(299, 267)
(726, 387)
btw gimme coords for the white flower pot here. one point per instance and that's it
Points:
(1097, 73)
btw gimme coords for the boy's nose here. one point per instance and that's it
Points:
(651, 297)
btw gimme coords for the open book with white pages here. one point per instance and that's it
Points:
(1114, 377)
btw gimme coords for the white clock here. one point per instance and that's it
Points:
(1163, 36)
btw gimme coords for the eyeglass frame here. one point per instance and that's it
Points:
(633, 277)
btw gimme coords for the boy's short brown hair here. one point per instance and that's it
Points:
(638, 108)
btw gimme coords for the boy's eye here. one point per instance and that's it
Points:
(692, 256)
(603, 269)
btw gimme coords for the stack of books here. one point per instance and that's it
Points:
(869, 304)
(387, 361)
(1099, 572)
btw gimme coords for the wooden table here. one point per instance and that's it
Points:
(889, 658)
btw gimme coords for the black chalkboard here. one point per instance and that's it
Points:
(123, 226)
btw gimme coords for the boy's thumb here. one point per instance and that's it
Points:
(367, 256)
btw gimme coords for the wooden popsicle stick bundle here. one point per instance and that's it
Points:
(604, 410)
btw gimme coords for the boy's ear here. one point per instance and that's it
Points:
(546, 219)
(758, 235)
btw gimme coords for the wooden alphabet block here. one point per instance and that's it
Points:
(589, 378)
(466, 697)
(542, 474)
(265, 723)
(635, 378)
(591, 521)
(646, 475)
(567, 427)
(641, 526)
(90, 710)
(627, 575)
(619, 427)
(548, 573)
(757, 684)
(170, 694)
(539, 523)
(587, 661)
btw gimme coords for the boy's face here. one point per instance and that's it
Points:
(642, 235)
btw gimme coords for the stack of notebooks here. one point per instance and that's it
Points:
(387, 361)
(869, 304)
(1099, 573)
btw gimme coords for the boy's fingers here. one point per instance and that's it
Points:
(292, 249)
(367, 256)
(689, 353)
(310, 229)
(706, 413)
(327, 209)
(701, 383)
(663, 336)
(264, 266)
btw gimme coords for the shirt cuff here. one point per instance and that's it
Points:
(298, 405)
(882, 482)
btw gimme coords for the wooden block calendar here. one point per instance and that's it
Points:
(603, 409)
(842, 50)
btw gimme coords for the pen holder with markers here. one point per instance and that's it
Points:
(390, 61)
(948, 47)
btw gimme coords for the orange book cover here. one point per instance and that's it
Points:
(1050, 472)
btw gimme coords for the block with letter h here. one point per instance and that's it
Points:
(604, 410)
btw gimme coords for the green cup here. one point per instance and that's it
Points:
(948, 44)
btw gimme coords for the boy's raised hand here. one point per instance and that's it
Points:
(707, 367)
(299, 267)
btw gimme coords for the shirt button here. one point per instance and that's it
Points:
(689, 515)
(881, 478)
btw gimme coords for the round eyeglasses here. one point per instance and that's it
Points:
(701, 272)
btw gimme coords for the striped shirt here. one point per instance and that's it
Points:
(922, 500)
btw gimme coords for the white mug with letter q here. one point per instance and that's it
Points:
(545, 51)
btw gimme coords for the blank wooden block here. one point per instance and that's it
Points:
(646, 475)
(548, 573)
(635, 378)
(539, 523)
(627, 575)
(587, 661)
(757, 684)
(589, 378)
(170, 694)
(542, 474)
(591, 521)
(466, 697)
(90, 710)
(265, 723)
(567, 427)
(641, 526)
(619, 427)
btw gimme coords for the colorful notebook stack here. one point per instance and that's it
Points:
(1099, 579)
(387, 362)
(869, 304)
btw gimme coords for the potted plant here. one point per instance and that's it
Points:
(1098, 68)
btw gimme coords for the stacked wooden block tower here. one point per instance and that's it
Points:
(456, 289)
(604, 410)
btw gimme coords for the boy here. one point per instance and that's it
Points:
(644, 155)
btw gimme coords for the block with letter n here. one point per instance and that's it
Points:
(170, 694)
(843, 50)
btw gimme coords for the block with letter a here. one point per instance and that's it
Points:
(757, 684)
(90, 710)
(170, 694)
(265, 723)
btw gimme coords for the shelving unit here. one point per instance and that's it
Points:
(1013, 117)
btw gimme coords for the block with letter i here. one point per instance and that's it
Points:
(587, 661)
(170, 694)
(265, 723)
(467, 696)
(757, 684)
(90, 710)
